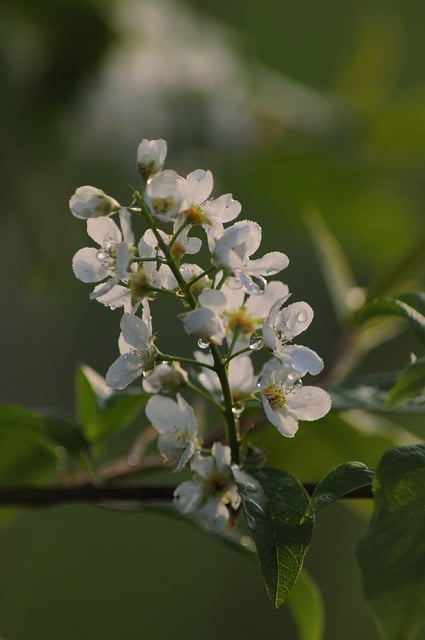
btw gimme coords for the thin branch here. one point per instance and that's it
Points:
(50, 496)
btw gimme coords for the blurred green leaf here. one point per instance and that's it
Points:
(410, 305)
(28, 457)
(320, 446)
(342, 480)
(306, 605)
(274, 504)
(100, 411)
(411, 383)
(49, 430)
(334, 265)
(370, 393)
(87, 407)
(392, 554)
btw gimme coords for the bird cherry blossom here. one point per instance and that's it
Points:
(176, 423)
(232, 251)
(138, 352)
(212, 492)
(91, 202)
(151, 156)
(285, 400)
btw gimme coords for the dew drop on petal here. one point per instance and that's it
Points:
(257, 286)
(203, 343)
(255, 342)
(101, 255)
(302, 316)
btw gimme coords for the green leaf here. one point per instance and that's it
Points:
(306, 605)
(48, 430)
(321, 446)
(274, 504)
(100, 411)
(87, 407)
(411, 383)
(370, 393)
(120, 412)
(410, 305)
(334, 264)
(392, 554)
(342, 480)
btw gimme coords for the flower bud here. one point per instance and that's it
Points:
(151, 156)
(91, 202)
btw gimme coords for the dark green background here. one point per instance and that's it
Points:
(348, 140)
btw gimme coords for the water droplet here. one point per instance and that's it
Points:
(101, 255)
(237, 409)
(255, 342)
(302, 316)
(203, 343)
(109, 244)
(255, 285)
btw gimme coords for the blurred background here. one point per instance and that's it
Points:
(294, 107)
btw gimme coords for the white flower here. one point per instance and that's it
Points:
(191, 271)
(232, 251)
(150, 274)
(111, 260)
(212, 492)
(177, 426)
(164, 194)
(282, 325)
(91, 202)
(151, 156)
(166, 378)
(285, 400)
(180, 246)
(205, 321)
(242, 380)
(137, 350)
(199, 209)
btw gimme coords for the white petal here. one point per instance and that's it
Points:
(125, 223)
(188, 496)
(222, 456)
(113, 297)
(296, 318)
(271, 263)
(309, 403)
(304, 360)
(222, 209)
(214, 515)
(188, 419)
(204, 467)
(135, 331)
(161, 412)
(124, 371)
(260, 306)
(285, 423)
(198, 186)
(102, 229)
(87, 267)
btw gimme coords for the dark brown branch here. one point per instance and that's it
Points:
(50, 496)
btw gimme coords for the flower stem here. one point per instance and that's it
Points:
(231, 429)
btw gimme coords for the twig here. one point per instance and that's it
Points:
(54, 495)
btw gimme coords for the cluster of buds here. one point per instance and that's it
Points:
(229, 307)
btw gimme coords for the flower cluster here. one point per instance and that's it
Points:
(228, 306)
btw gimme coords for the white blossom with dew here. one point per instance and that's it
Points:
(232, 251)
(212, 491)
(285, 400)
(138, 352)
(176, 424)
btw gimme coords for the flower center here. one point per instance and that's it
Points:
(276, 396)
(196, 214)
